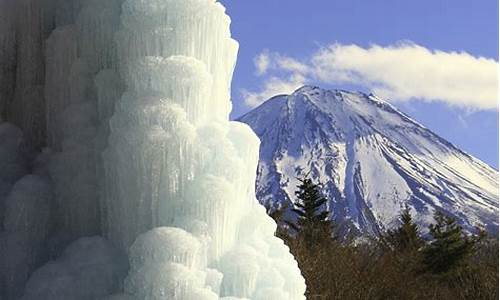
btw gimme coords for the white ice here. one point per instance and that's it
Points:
(132, 98)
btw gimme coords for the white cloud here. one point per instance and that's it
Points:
(291, 77)
(289, 64)
(399, 72)
(272, 87)
(262, 62)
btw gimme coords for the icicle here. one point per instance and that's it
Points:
(179, 177)
(134, 99)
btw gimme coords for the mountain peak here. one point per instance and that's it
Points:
(371, 159)
(318, 94)
(306, 89)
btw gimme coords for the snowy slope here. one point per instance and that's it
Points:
(371, 159)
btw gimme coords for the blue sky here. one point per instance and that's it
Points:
(444, 33)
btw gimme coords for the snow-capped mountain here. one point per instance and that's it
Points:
(371, 159)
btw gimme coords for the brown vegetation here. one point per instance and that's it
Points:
(336, 271)
(399, 264)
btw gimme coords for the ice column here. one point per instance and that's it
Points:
(77, 55)
(179, 177)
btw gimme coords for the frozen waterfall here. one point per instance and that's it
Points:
(130, 100)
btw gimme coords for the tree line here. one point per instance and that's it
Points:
(399, 263)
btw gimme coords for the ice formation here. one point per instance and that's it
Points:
(176, 164)
(131, 100)
(89, 268)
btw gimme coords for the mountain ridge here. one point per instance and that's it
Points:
(372, 160)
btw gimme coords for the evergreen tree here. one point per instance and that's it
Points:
(406, 237)
(312, 219)
(449, 247)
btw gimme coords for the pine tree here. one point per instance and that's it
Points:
(449, 247)
(406, 237)
(312, 219)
